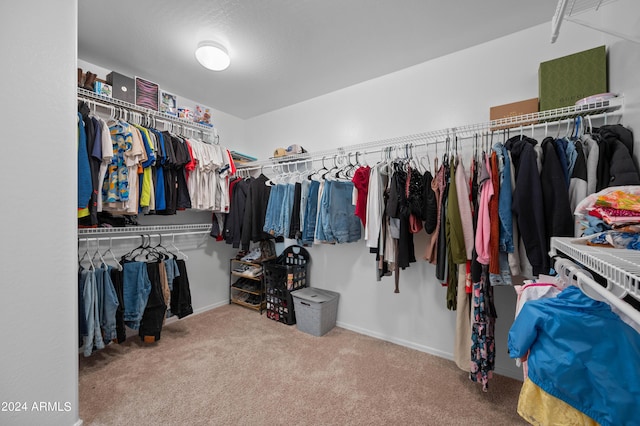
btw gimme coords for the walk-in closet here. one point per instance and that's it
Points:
(366, 213)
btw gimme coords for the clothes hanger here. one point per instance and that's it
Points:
(113, 256)
(159, 251)
(335, 166)
(317, 172)
(97, 253)
(86, 256)
(184, 256)
(140, 248)
(475, 147)
(533, 130)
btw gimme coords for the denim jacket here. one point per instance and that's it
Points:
(504, 200)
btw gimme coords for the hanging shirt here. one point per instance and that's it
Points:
(361, 185)
(483, 231)
(84, 173)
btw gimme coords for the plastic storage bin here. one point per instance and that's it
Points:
(283, 275)
(316, 310)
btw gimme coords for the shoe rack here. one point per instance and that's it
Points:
(246, 286)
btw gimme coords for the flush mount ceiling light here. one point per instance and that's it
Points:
(212, 55)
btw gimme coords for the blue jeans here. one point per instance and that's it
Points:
(284, 224)
(136, 289)
(107, 303)
(345, 225)
(310, 213)
(323, 228)
(90, 300)
(274, 207)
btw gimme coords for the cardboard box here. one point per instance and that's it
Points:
(563, 81)
(512, 110)
(122, 87)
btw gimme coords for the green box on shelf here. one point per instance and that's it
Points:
(563, 81)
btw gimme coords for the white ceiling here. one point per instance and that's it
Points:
(287, 51)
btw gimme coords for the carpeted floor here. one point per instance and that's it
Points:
(231, 366)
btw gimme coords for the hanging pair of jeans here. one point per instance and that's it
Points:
(310, 213)
(90, 303)
(156, 307)
(107, 303)
(337, 222)
(181, 293)
(274, 204)
(345, 225)
(136, 288)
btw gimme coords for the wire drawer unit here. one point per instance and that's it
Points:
(283, 275)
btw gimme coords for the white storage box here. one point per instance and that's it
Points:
(316, 310)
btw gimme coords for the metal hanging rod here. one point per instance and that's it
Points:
(134, 236)
(594, 110)
(202, 227)
(109, 102)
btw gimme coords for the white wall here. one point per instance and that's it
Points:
(450, 91)
(38, 360)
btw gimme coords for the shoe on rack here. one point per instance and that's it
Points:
(268, 251)
(254, 271)
(252, 255)
(253, 299)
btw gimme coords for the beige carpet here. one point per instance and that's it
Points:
(231, 366)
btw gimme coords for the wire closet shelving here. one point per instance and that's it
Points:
(620, 267)
(603, 108)
(206, 132)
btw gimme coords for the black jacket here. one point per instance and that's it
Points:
(616, 165)
(527, 203)
(254, 212)
(234, 220)
(558, 217)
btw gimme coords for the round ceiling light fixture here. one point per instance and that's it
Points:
(213, 55)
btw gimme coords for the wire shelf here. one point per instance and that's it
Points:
(543, 118)
(620, 267)
(563, 113)
(204, 227)
(105, 100)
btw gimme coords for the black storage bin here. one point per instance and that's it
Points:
(286, 273)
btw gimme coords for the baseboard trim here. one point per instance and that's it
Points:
(422, 348)
(401, 342)
(198, 311)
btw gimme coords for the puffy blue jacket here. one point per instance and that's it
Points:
(582, 353)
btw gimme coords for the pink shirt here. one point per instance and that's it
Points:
(483, 230)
